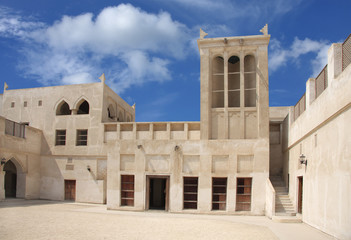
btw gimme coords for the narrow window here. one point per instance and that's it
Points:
(219, 193)
(250, 81)
(127, 190)
(190, 192)
(234, 81)
(82, 137)
(12, 104)
(83, 108)
(25, 104)
(111, 112)
(120, 117)
(63, 109)
(60, 137)
(128, 119)
(243, 194)
(40, 103)
(218, 82)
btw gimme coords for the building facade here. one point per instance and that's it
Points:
(81, 143)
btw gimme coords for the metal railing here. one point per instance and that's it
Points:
(300, 107)
(321, 81)
(346, 52)
(15, 129)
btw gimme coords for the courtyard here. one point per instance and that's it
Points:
(40, 219)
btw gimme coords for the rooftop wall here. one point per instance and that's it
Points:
(321, 133)
(152, 131)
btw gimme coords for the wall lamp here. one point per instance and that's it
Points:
(176, 148)
(3, 161)
(139, 146)
(303, 159)
(88, 168)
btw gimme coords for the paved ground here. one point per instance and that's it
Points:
(38, 219)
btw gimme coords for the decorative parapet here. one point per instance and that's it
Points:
(152, 131)
(15, 129)
(339, 57)
(346, 52)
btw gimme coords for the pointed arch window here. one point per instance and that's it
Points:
(83, 108)
(234, 81)
(111, 112)
(120, 117)
(250, 81)
(63, 109)
(218, 82)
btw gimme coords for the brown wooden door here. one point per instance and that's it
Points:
(300, 196)
(70, 190)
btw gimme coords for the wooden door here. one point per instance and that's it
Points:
(70, 190)
(300, 194)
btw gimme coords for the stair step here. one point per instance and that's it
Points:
(284, 209)
(284, 204)
(287, 219)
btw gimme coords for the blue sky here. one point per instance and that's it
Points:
(148, 50)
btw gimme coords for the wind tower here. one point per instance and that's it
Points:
(234, 87)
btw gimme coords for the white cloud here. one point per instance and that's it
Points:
(78, 78)
(119, 29)
(13, 25)
(140, 69)
(138, 44)
(231, 9)
(279, 56)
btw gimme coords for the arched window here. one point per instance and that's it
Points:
(63, 109)
(111, 112)
(120, 117)
(234, 81)
(250, 81)
(83, 108)
(218, 82)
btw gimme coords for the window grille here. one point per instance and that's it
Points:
(127, 190)
(82, 137)
(219, 193)
(321, 82)
(346, 52)
(300, 107)
(15, 129)
(243, 194)
(190, 192)
(60, 137)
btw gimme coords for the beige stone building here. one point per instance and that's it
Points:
(81, 142)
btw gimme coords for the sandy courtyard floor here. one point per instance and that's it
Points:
(38, 219)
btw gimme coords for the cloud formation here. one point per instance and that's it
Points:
(280, 56)
(231, 9)
(73, 49)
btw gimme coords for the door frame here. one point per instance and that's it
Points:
(75, 189)
(299, 194)
(147, 195)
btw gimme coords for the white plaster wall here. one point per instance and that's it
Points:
(155, 149)
(327, 177)
(25, 154)
(322, 134)
(54, 170)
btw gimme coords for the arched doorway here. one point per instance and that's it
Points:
(10, 179)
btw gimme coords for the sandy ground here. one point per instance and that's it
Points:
(38, 219)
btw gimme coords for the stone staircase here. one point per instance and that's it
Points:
(284, 209)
